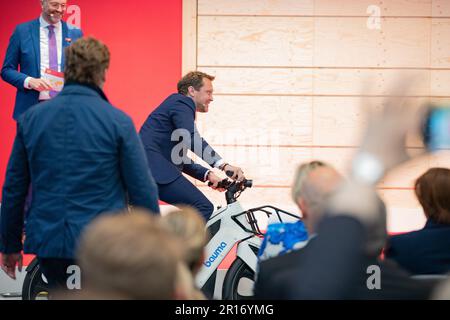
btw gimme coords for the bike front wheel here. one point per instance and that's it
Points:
(239, 282)
(35, 286)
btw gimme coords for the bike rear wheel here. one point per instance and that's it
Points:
(239, 282)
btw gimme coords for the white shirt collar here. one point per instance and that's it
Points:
(45, 24)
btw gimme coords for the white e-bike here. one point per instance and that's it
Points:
(230, 226)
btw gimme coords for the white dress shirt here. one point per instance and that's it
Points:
(44, 47)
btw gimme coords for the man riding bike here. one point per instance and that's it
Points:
(170, 131)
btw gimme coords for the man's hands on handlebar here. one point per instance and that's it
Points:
(238, 174)
(214, 181)
(235, 173)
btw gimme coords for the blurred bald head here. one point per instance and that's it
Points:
(313, 183)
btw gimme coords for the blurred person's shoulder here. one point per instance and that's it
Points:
(430, 230)
(404, 242)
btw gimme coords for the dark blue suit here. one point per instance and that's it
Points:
(426, 251)
(177, 112)
(24, 51)
(83, 157)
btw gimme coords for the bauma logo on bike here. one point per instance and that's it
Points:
(216, 253)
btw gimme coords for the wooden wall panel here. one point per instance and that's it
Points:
(399, 43)
(405, 175)
(440, 101)
(440, 83)
(261, 81)
(299, 68)
(248, 120)
(322, 81)
(440, 159)
(397, 8)
(249, 41)
(357, 81)
(402, 178)
(255, 41)
(440, 43)
(441, 8)
(404, 211)
(256, 7)
(340, 121)
(339, 158)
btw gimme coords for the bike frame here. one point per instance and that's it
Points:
(232, 230)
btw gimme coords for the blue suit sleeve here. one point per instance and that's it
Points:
(138, 180)
(195, 170)
(15, 190)
(183, 117)
(11, 63)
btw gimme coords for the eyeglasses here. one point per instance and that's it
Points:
(57, 5)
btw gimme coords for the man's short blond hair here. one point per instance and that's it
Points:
(189, 227)
(129, 255)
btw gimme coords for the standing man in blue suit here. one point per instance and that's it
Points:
(170, 131)
(35, 46)
(82, 156)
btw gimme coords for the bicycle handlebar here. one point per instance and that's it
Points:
(227, 184)
(233, 188)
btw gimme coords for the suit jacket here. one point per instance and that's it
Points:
(265, 287)
(425, 251)
(83, 157)
(24, 51)
(332, 266)
(176, 112)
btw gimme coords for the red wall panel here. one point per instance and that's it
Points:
(144, 37)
